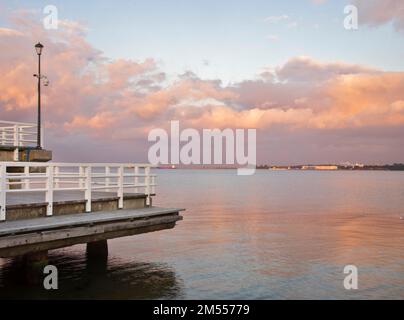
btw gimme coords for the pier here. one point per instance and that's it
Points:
(18, 142)
(45, 206)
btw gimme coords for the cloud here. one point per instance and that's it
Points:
(318, 2)
(292, 25)
(282, 18)
(96, 107)
(273, 37)
(307, 69)
(5, 32)
(379, 12)
(277, 19)
(311, 95)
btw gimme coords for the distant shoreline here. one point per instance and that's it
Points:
(334, 167)
(327, 167)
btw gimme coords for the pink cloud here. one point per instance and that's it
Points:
(308, 69)
(380, 12)
(4, 32)
(109, 104)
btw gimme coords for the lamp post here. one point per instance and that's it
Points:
(38, 48)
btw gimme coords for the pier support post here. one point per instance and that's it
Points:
(97, 249)
(34, 264)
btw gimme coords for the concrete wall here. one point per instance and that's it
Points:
(26, 155)
(6, 155)
(31, 211)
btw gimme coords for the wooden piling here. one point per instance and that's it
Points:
(34, 264)
(97, 249)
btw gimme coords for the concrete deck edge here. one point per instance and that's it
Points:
(9, 228)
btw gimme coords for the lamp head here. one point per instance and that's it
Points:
(38, 48)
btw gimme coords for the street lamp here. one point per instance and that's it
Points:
(38, 49)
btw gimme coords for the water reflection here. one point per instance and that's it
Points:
(274, 235)
(83, 278)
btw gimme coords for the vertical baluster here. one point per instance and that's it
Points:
(16, 142)
(87, 193)
(107, 179)
(49, 189)
(136, 179)
(153, 186)
(42, 136)
(147, 182)
(16, 155)
(120, 187)
(16, 137)
(3, 187)
(20, 134)
(26, 181)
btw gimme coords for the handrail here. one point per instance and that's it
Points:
(85, 177)
(18, 123)
(17, 135)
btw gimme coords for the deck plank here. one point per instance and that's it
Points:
(48, 223)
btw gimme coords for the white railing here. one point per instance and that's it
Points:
(48, 178)
(18, 134)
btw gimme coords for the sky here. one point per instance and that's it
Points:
(315, 91)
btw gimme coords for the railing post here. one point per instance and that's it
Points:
(3, 137)
(16, 154)
(153, 186)
(16, 137)
(26, 181)
(20, 135)
(107, 179)
(49, 190)
(136, 179)
(87, 192)
(120, 187)
(147, 182)
(42, 136)
(3, 188)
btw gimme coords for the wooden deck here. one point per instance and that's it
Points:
(33, 235)
(50, 223)
(31, 226)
